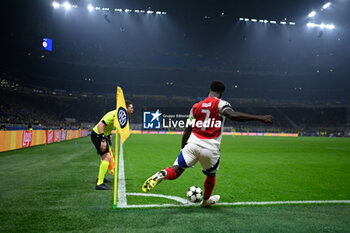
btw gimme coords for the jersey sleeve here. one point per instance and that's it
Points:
(191, 117)
(223, 105)
(108, 119)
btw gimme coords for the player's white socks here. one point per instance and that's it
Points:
(211, 201)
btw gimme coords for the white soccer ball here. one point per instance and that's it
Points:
(194, 194)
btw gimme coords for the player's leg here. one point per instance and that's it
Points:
(185, 159)
(105, 159)
(210, 163)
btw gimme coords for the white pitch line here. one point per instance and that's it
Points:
(175, 198)
(122, 201)
(243, 203)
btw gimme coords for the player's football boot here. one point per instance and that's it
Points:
(211, 201)
(151, 182)
(103, 187)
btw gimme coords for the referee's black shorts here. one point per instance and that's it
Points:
(97, 142)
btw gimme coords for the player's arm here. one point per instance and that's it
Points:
(240, 116)
(185, 136)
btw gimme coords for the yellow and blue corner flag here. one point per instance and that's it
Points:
(121, 121)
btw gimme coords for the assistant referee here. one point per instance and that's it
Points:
(100, 134)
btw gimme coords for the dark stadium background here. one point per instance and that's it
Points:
(298, 74)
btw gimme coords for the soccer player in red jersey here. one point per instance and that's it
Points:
(201, 141)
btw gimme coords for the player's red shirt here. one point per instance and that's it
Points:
(208, 135)
(207, 110)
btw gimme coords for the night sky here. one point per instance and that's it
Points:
(181, 52)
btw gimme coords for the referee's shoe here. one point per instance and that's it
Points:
(102, 187)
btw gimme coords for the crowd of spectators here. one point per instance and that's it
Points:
(53, 110)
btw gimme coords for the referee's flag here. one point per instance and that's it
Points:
(121, 121)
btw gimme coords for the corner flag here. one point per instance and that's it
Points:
(121, 120)
(122, 127)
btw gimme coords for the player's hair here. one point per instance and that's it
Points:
(127, 103)
(217, 86)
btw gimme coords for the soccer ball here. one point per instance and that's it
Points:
(194, 194)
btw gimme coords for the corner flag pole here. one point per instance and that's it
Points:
(115, 191)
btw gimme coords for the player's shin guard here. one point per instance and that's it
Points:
(209, 185)
(171, 174)
(102, 172)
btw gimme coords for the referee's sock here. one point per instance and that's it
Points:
(102, 172)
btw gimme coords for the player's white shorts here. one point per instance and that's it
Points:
(192, 153)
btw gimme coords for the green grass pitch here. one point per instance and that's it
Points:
(50, 188)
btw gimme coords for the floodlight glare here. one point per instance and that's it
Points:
(312, 14)
(158, 12)
(266, 21)
(282, 22)
(261, 20)
(67, 5)
(163, 13)
(254, 20)
(150, 12)
(119, 10)
(55, 5)
(310, 25)
(272, 21)
(127, 10)
(90, 7)
(326, 5)
(241, 19)
(137, 11)
(331, 26)
(246, 19)
(291, 23)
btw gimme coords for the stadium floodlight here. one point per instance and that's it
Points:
(150, 12)
(282, 22)
(311, 14)
(90, 7)
(266, 21)
(311, 25)
(127, 10)
(105, 9)
(119, 10)
(246, 19)
(254, 20)
(137, 11)
(261, 20)
(241, 19)
(142, 11)
(97, 8)
(67, 5)
(273, 22)
(291, 23)
(163, 13)
(325, 6)
(158, 12)
(55, 5)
